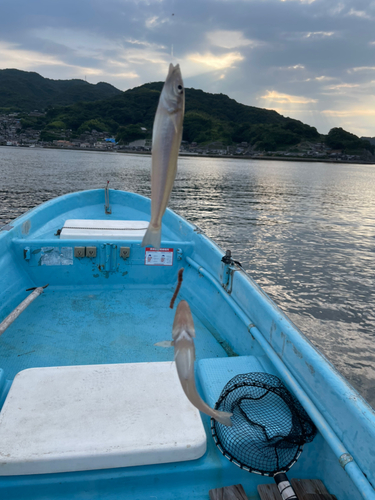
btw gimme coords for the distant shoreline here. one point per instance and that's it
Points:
(226, 157)
(277, 158)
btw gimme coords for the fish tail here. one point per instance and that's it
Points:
(152, 238)
(223, 417)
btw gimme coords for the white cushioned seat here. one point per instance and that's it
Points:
(86, 229)
(74, 418)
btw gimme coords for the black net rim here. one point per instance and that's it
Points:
(244, 467)
(254, 383)
(257, 380)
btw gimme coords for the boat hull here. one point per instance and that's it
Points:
(112, 309)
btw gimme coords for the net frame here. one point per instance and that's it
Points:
(249, 387)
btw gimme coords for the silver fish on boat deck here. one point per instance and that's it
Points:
(183, 333)
(166, 141)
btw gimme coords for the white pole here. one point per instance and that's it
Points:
(20, 308)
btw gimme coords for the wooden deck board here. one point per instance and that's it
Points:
(315, 496)
(269, 492)
(235, 492)
(305, 489)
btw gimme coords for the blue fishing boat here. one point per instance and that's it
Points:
(92, 409)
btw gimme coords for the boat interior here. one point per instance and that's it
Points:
(102, 313)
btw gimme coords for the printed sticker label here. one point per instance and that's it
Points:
(56, 256)
(161, 257)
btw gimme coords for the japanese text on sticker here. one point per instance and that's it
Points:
(161, 257)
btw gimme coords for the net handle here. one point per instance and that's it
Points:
(284, 486)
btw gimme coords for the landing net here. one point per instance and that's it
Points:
(269, 428)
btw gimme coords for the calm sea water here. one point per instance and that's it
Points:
(304, 231)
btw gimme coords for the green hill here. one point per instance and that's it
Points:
(28, 91)
(338, 138)
(371, 140)
(74, 107)
(208, 118)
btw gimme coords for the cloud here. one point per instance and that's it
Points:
(324, 78)
(362, 68)
(302, 1)
(349, 112)
(277, 97)
(343, 86)
(217, 62)
(359, 13)
(300, 56)
(12, 56)
(139, 57)
(337, 9)
(142, 43)
(229, 39)
(318, 34)
(151, 22)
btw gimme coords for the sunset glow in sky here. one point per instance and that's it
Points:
(313, 60)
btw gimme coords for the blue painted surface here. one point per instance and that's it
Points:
(73, 326)
(92, 313)
(214, 374)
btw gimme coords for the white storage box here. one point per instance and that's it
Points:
(86, 229)
(75, 418)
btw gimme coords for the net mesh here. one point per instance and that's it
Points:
(269, 428)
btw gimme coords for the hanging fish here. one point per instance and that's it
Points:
(166, 141)
(183, 333)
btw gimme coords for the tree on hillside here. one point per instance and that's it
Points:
(90, 125)
(339, 138)
(131, 133)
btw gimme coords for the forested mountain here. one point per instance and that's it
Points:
(339, 138)
(28, 91)
(208, 117)
(369, 139)
(75, 107)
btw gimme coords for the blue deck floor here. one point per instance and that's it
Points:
(73, 326)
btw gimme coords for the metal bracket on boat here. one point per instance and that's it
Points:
(345, 459)
(107, 206)
(27, 253)
(229, 267)
(179, 254)
(108, 257)
(227, 259)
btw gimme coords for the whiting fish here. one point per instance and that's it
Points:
(166, 141)
(183, 333)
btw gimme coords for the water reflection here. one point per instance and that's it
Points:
(305, 232)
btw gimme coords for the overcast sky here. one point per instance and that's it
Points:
(313, 60)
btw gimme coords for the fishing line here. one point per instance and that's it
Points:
(179, 283)
(172, 21)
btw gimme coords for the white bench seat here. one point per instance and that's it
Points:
(86, 229)
(76, 418)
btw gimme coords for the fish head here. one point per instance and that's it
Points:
(173, 91)
(183, 321)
